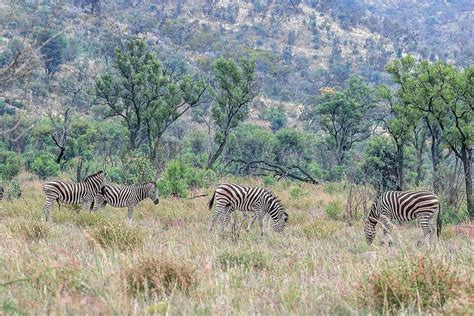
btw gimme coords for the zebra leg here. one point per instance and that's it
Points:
(214, 218)
(426, 230)
(259, 215)
(254, 217)
(48, 205)
(225, 217)
(130, 214)
(387, 229)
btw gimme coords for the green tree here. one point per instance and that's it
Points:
(235, 88)
(53, 47)
(147, 96)
(443, 95)
(9, 165)
(343, 116)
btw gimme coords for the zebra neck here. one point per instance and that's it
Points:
(141, 192)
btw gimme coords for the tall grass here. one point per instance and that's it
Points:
(167, 263)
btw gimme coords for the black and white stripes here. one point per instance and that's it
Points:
(230, 197)
(125, 196)
(404, 206)
(72, 193)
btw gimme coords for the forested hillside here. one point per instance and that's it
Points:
(373, 92)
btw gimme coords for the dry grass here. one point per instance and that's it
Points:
(166, 262)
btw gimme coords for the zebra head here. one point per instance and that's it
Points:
(96, 181)
(153, 192)
(282, 220)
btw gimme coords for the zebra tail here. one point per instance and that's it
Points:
(439, 223)
(211, 202)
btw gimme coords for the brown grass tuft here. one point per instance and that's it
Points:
(155, 275)
(119, 235)
(31, 229)
(420, 284)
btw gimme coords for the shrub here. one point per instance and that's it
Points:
(334, 210)
(451, 215)
(13, 190)
(9, 165)
(246, 260)
(45, 166)
(31, 230)
(154, 275)
(321, 229)
(118, 235)
(136, 168)
(268, 181)
(411, 283)
(179, 177)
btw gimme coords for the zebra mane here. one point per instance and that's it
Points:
(93, 175)
(274, 197)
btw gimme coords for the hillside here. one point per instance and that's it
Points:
(300, 46)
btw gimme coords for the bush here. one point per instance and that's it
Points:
(246, 260)
(154, 275)
(334, 210)
(136, 168)
(321, 229)
(179, 177)
(9, 165)
(119, 236)
(451, 215)
(412, 283)
(45, 166)
(31, 230)
(13, 191)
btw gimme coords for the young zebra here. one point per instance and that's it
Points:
(403, 206)
(72, 193)
(125, 196)
(230, 197)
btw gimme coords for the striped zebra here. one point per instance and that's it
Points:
(230, 197)
(72, 193)
(125, 196)
(404, 206)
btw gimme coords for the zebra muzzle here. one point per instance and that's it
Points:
(156, 201)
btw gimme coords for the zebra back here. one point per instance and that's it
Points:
(247, 198)
(75, 193)
(122, 196)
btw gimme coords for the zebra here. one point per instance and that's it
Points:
(404, 206)
(72, 193)
(125, 196)
(230, 197)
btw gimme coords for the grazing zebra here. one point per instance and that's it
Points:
(125, 196)
(230, 197)
(404, 206)
(72, 193)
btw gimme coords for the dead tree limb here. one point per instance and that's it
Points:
(60, 135)
(293, 171)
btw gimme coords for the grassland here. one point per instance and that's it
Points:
(167, 262)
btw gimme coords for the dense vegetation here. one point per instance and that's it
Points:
(326, 102)
(146, 91)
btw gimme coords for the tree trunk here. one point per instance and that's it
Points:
(213, 158)
(435, 156)
(400, 165)
(466, 160)
(79, 169)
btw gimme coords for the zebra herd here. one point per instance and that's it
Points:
(93, 192)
